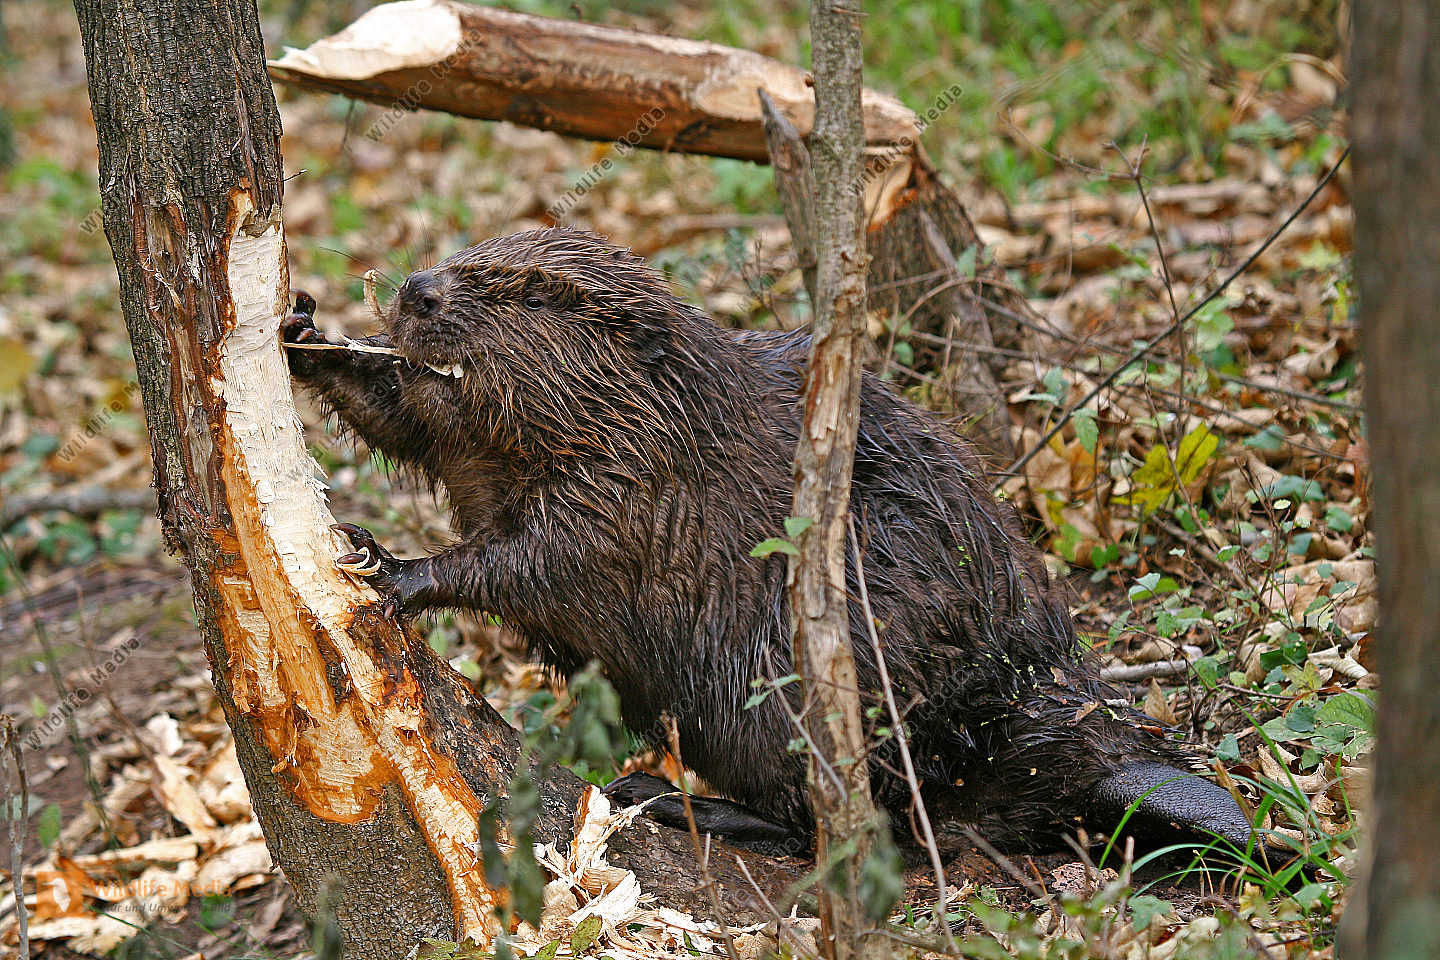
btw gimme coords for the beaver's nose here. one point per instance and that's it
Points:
(420, 294)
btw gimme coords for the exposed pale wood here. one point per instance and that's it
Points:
(579, 79)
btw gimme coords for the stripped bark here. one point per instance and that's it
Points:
(366, 757)
(824, 463)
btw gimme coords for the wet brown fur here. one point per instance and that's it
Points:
(611, 457)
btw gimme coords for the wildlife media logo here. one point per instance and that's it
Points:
(58, 894)
(64, 892)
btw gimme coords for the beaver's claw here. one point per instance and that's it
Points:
(299, 327)
(371, 563)
(638, 787)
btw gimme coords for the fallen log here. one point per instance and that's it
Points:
(579, 79)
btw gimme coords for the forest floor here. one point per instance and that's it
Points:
(1208, 509)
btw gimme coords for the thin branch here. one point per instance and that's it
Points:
(1144, 349)
(702, 855)
(1130, 672)
(86, 502)
(903, 742)
(15, 819)
(72, 726)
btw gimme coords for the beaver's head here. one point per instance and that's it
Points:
(551, 338)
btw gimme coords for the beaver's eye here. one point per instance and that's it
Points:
(534, 303)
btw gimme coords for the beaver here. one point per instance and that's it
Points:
(612, 456)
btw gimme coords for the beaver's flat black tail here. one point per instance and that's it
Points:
(1167, 805)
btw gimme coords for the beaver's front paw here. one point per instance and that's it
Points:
(299, 328)
(373, 564)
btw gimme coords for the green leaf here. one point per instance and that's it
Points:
(1152, 585)
(1087, 431)
(1211, 322)
(547, 952)
(1339, 519)
(1277, 730)
(774, 545)
(965, 263)
(1271, 438)
(1311, 894)
(1288, 487)
(1301, 719)
(1145, 908)
(48, 827)
(584, 935)
(1350, 709)
(794, 526)
(431, 949)
(1153, 482)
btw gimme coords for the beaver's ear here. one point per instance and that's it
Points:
(649, 324)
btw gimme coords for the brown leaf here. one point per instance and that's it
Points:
(1156, 706)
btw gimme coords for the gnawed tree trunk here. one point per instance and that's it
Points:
(665, 93)
(366, 757)
(1395, 912)
(824, 463)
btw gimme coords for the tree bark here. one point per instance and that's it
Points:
(580, 79)
(1395, 913)
(824, 461)
(366, 757)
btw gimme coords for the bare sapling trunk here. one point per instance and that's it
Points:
(845, 816)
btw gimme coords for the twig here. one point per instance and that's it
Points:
(1287, 392)
(1129, 672)
(702, 856)
(1006, 864)
(72, 726)
(15, 819)
(902, 741)
(351, 345)
(1179, 325)
(740, 862)
(1051, 330)
(88, 501)
(1149, 345)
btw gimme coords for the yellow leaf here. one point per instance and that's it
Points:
(19, 365)
(1196, 450)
